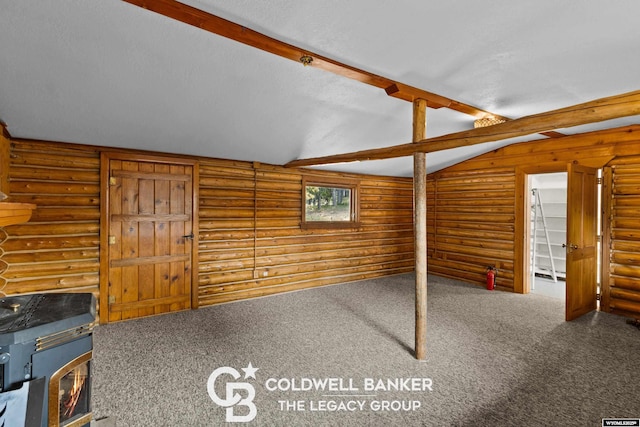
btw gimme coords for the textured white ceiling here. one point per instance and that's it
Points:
(104, 72)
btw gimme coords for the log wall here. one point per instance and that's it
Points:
(471, 217)
(622, 292)
(251, 243)
(250, 240)
(57, 250)
(477, 213)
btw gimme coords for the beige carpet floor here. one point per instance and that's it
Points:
(494, 359)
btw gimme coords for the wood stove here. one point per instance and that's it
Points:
(46, 343)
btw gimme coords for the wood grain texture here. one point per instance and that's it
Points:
(236, 250)
(461, 245)
(247, 251)
(582, 220)
(57, 250)
(621, 288)
(15, 213)
(472, 220)
(420, 229)
(250, 242)
(4, 160)
(149, 253)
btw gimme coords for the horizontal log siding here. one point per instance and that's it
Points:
(456, 247)
(250, 240)
(58, 249)
(242, 237)
(624, 280)
(470, 219)
(253, 247)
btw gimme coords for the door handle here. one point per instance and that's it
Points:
(188, 236)
(571, 247)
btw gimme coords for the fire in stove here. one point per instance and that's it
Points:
(46, 344)
(69, 397)
(69, 394)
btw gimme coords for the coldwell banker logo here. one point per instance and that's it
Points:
(317, 395)
(232, 398)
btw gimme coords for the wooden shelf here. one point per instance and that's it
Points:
(15, 213)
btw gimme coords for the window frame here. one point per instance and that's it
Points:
(354, 210)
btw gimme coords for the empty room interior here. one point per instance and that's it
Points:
(329, 213)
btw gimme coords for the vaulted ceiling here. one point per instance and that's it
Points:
(108, 73)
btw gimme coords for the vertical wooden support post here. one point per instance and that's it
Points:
(256, 166)
(522, 243)
(606, 207)
(4, 159)
(420, 227)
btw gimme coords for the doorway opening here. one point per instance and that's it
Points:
(552, 248)
(548, 233)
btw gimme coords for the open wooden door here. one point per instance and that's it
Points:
(149, 218)
(582, 240)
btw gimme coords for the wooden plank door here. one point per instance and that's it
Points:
(150, 223)
(581, 246)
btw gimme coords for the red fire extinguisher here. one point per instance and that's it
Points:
(491, 277)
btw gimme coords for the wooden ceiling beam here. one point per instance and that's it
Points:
(608, 108)
(222, 27)
(216, 25)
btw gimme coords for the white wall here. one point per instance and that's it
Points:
(549, 180)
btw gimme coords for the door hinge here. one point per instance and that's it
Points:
(112, 180)
(599, 180)
(112, 240)
(112, 299)
(598, 297)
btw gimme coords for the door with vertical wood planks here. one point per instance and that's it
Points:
(582, 240)
(150, 223)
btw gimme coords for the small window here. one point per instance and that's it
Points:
(329, 204)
